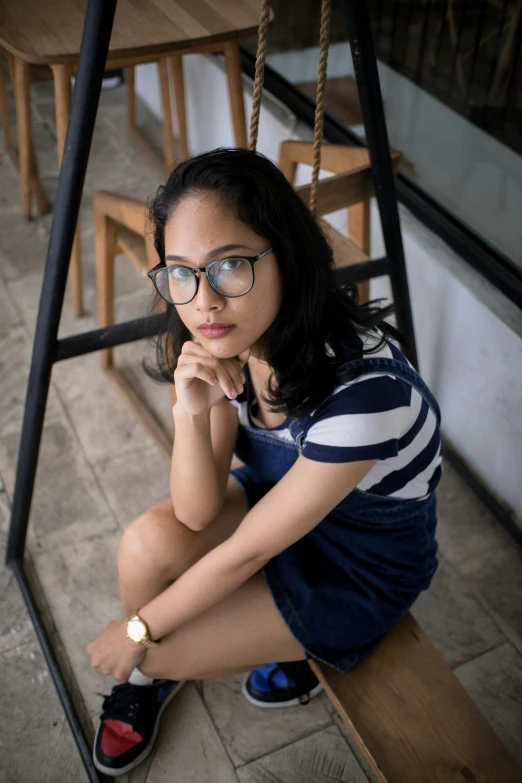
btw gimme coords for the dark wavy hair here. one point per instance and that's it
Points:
(314, 311)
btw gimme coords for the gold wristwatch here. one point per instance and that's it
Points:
(138, 631)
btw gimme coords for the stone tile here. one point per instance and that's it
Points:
(10, 193)
(320, 758)
(134, 482)
(109, 428)
(494, 682)
(454, 620)
(350, 741)
(467, 531)
(67, 501)
(188, 746)
(498, 586)
(23, 244)
(15, 354)
(44, 135)
(15, 625)
(248, 732)
(105, 426)
(130, 361)
(43, 92)
(25, 293)
(80, 584)
(8, 314)
(35, 741)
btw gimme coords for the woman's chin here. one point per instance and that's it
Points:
(224, 348)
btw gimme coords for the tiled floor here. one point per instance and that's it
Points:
(98, 468)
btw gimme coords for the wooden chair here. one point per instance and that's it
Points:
(337, 158)
(121, 227)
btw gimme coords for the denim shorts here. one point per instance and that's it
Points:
(344, 585)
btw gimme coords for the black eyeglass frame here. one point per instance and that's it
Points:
(251, 260)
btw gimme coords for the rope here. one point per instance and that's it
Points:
(262, 34)
(319, 104)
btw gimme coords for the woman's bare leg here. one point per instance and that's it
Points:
(156, 549)
(243, 631)
(240, 633)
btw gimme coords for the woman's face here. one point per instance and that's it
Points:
(202, 229)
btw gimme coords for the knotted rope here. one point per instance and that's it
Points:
(259, 77)
(324, 42)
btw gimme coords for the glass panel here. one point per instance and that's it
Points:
(451, 76)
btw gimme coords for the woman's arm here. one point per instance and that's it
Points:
(303, 497)
(201, 457)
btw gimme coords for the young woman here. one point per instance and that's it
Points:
(325, 536)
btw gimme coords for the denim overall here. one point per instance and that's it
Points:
(342, 586)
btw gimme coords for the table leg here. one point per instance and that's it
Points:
(25, 142)
(179, 93)
(131, 98)
(235, 91)
(359, 232)
(4, 110)
(169, 148)
(36, 183)
(23, 125)
(62, 98)
(105, 247)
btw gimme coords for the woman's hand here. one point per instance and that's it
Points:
(201, 379)
(113, 653)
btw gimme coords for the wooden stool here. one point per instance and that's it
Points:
(37, 34)
(120, 227)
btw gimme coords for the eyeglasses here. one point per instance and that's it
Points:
(231, 277)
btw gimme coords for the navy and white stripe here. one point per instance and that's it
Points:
(375, 417)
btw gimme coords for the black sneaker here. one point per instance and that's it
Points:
(129, 724)
(281, 685)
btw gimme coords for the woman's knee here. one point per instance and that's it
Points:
(155, 539)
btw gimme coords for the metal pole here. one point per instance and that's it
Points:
(367, 75)
(91, 64)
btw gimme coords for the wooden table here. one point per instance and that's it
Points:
(38, 32)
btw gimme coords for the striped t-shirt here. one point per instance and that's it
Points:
(373, 417)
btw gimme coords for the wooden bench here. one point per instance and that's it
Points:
(412, 719)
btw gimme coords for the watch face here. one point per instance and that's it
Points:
(136, 630)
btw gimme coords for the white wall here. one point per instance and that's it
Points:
(469, 336)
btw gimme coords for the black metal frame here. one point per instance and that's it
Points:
(47, 349)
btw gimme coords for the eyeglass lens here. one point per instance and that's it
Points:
(230, 277)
